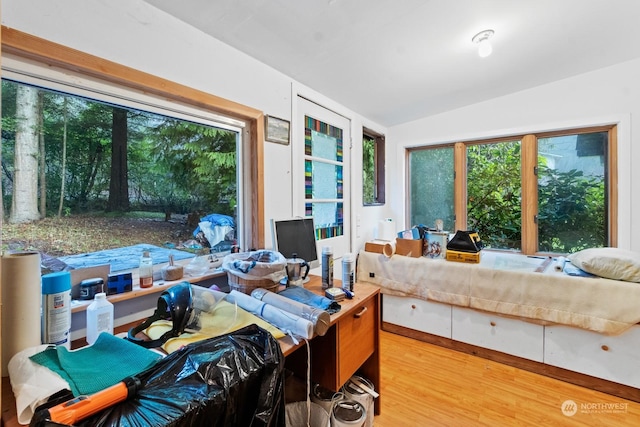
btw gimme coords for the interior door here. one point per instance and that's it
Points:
(321, 170)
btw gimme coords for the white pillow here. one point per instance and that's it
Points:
(612, 263)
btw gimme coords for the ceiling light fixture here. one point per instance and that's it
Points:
(484, 45)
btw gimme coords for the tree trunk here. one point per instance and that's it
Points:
(24, 206)
(63, 168)
(119, 182)
(42, 159)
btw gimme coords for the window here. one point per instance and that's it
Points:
(549, 192)
(373, 157)
(183, 118)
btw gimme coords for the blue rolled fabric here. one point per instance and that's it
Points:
(305, 296)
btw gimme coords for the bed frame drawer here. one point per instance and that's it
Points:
(425, 316)
(507, 335)
(614, 358)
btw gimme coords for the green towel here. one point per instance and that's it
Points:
(91, 369)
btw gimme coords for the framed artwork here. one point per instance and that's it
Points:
(277, 130)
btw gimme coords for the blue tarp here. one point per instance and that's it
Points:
(126, 258)
(215, 219)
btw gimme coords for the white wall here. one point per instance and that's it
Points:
(135, 34)
(609, 95)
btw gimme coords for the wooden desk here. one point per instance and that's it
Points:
(351, 345)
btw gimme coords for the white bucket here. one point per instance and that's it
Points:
(325, 397)
(348, 413)
(354, 392)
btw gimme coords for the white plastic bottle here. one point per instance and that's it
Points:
(99, 317)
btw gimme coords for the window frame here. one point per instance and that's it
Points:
(31, 48)
(529, 180)
(378, 167)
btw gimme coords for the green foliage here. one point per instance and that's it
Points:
(571, 206)
(571, 211)
(368, 170)
(173, 165)
(494, 193)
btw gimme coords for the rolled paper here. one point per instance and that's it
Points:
(318, 317)
(285, 321)
(21, 302)
(559, 264)
(389, 249)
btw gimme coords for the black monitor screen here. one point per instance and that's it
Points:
(296, 236)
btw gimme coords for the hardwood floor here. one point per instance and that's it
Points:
(426, 385)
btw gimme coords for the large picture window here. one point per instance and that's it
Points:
(548, 193)
(175, 146)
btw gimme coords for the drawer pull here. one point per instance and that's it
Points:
(360, 313)
(413, 306)
(492, 323)
(605, 347)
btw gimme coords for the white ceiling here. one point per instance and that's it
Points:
(394, 61)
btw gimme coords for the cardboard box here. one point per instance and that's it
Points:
(375, 246)
(468, 257)
(409, 247)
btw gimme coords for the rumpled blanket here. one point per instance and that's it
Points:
(510, 287)
(93, 368)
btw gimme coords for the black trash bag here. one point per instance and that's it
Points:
(236, 379)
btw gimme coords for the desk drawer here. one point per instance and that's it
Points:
(507, 335)
(613, 358)
(425, 316)
(356, 338)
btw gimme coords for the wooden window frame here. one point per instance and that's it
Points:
(379, 167)
(33, 48)
(529, 181)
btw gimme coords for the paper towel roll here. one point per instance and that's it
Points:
(559, 264)
(389, 249)
(387, 230)
(21, 301)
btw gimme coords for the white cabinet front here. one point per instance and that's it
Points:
(425, 316)
(502, 334)
(613, 358)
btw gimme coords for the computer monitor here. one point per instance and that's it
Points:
(296, 235)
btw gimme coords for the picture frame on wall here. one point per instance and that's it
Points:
(277, 130)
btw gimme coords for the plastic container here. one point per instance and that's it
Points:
(327, 267)
(352, 391)
(348, 413)
(145, 272)
(56, 308)
(99, 317)
(347, 272)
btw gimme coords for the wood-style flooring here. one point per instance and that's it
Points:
(426, 385)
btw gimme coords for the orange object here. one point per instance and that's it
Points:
(81, 407)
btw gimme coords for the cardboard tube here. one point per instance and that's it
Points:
(21, 298)
(389, 249)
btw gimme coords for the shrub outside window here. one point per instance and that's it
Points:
(536, 193)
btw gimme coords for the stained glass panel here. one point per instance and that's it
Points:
(324, 181)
